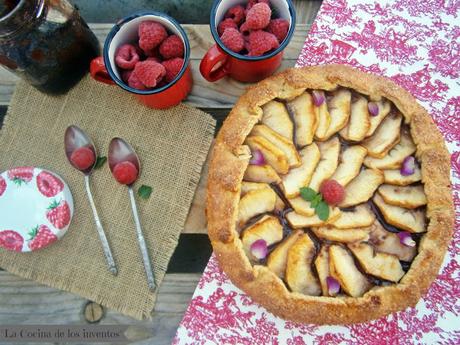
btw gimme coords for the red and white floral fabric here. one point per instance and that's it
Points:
(417, 44)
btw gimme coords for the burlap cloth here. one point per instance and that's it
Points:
(172, 144)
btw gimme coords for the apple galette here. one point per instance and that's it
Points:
(329, 196)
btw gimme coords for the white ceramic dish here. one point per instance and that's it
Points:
(36, 208)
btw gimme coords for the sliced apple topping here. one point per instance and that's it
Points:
(301, 176)
(327, 165)
(339, 106)
(350, 162)
(302, 206)
(395, 177)
(384, 108)
(256, 202)
(261, 173)
(322, 268)
(361, 216)
(299, 274)
(298, 221)
(342, 235)
(408, 196)
(272, 154)
(390, 243)
(285, 145)
(359, 123)
(248, 186)
(402, 218)
(324, 120)
(305, 115)
(278, 257)
(268, 228)
(381, 265)
(276, 116)
(343, 269)
(361, 188)
(395, 156)
(385, 137)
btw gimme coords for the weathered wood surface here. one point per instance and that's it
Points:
(26, 302)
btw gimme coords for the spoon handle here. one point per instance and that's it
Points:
(142, 244)
(100, 230)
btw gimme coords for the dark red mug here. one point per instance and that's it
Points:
(219, 61)
(103, 68)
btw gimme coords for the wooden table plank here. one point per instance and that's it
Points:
(221, 94)
(26, 302)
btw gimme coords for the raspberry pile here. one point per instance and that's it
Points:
(152, 62)
(251, 30)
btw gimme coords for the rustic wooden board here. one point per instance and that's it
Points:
(26, 302)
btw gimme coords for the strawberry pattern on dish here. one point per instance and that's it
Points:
(36, 208)
(48, 184)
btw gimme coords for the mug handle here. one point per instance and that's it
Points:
(212, 58)
(99, 72)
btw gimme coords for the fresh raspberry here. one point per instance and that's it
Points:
(258, 17)
(153, 58)
(172, 47)
(260, 42)
(126, 56)
(236, 14)
(173, 68)
(151, 34)
(225, 24)
(125, 75)
(134, 82)
(244, 29)
(153, 53)
(253, 2)
(233, 40)
(149, 73)
(278, 27)
(82, 158)
(332, 191)
(125, 172)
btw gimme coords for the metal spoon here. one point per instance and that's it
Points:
(75, 138)
(121, 151)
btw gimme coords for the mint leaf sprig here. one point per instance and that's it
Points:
(144, 191)
(100, 161)
(316, 202)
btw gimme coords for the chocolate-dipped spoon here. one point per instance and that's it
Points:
(125, 167)
(81, 153)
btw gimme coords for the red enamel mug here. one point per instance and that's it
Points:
(104, 69)
(220, 61)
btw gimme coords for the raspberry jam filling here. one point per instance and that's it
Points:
(332, 200)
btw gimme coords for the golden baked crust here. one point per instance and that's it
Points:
(230, 158)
